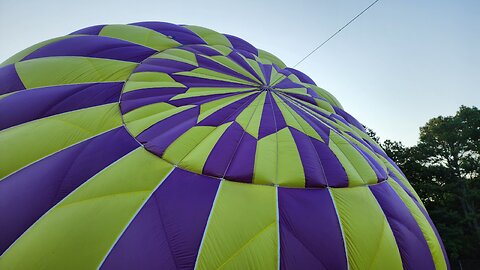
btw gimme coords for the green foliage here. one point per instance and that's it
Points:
(444, 169)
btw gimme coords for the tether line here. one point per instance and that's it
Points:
(332, 36)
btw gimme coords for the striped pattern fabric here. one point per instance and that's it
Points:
(161, 146)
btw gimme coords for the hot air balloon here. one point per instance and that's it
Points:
(162, 146)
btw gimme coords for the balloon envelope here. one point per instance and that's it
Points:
(162, 146)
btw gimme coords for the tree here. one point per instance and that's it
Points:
(444, 169)
(449, 149)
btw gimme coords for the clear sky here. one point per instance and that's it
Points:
(400, 64)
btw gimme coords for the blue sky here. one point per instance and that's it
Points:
(400, 64)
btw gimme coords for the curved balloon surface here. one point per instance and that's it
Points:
(162, 146)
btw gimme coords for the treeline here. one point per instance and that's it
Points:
(444, 169)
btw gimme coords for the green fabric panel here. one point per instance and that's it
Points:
(183, 145)
(298, 90)
(327, 107)
(294, 78)
(256, 68)
(137, 126)
(178, 55)
(404, 180)
(227, 62)
(206, 91)
(150, 76)
(296, 121)
(250, 117)
(270, 57)
(143, 80)
(265, 168)
(195, 160)
(309, 108)
(213, 75)
(243, 227)
(209, 36)
(139, 35)
(290, 168)
(60, 70)
(275, 77)
(208, 108)
(53, 133)
(132, 86)
(22, 54)
(358, 169)
(325, 94)
(369, 240)
(222, 49)
(430, 236)
(146, 111)
(79, 231)
(366, 149)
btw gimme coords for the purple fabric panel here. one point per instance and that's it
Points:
(223, 151)
(152, 92)
(138, 98)
(241, 62)
(414, 199)
(267, 122)
(243, 160)
(143, 245)
(444, 252)
(248, 54)
(310, 235)
(201, 49)
(262, 67)
(241, 44)
(392, 175)
(396, 179)
(287, 83)
(320, 112)
(130, 105)
(394, 165)
(159, 136)
(411, 243)
(163, 65)
(212, 65)
(360, 140)
(376, 167)
(10, 80)
(279, 119)
(283, 72)
(339, 118)
(29, 193)
(349, 118)
(314, 94)
(280, 80)
(303, 78)
(267, 69)
(177, 32)
(201, 82)
(92, 30)
(234, 115)
(312, 167)
(334, 171)
(198, 100)
(322, 130)
(94, 46)
(308, 99)
(228, 112)
(43, 102)
(167, 232)
(376, 149)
